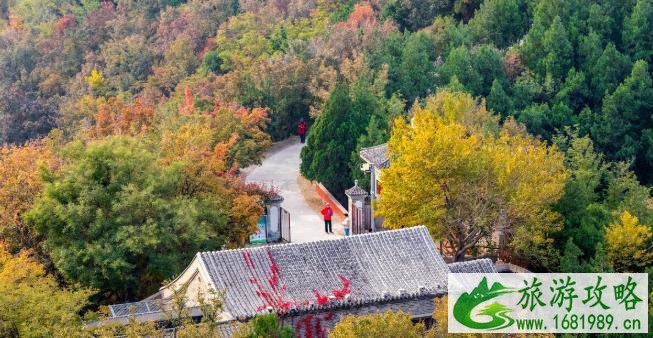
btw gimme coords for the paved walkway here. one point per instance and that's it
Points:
(281, 169)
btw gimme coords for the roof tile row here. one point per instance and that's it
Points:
(354, 270)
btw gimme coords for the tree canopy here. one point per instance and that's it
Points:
(456, 171)
(389, 324)
(31, 302)
(628, 244)
(136, 222)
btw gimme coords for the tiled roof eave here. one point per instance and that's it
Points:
(356, 191)
(484, 265)
(355, 304)
(376, 155)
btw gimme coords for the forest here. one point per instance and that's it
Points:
(124, 125)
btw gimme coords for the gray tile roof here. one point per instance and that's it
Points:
(127, 309)
(356, 190)
(377, 155)
(483, 265)
(378, 267)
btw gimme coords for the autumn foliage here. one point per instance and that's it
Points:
(116, 117)
(187, 161)
(362, 15)
(222, 136)
(541, 141)
(25, 286)
(20, 173)
(629, 244)
(470, 180)
(388, 324)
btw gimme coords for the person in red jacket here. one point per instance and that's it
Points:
(301, 130)
(327, 212)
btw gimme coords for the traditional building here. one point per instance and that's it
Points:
(361, 207)
(312, 285)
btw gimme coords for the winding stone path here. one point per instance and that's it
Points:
(281, 169)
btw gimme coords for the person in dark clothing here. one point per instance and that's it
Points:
(301, 130)
(327, 212)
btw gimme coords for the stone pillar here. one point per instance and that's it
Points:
(355, 198)
(274, 218)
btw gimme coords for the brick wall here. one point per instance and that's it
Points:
(338, 210)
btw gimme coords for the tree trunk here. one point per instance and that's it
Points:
(460, 255)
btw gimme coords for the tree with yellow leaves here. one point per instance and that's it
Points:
(470, 180)
(95, 80)
(389, 324)
(628, 244)
(31, 302)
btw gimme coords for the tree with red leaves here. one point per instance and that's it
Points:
(116, 117)
(362, 15)
(65, 22)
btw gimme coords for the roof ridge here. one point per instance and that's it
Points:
(374, 147)
(344, 238)
(356, 190)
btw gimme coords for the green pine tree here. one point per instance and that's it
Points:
(498, 100)
(573, 92)
(278, 40)
(455, 85)
(599, 263)
(460, 64)
(559, 50)
(608, 72)
(378, 132)
(500, 22)
(637, 29)
(625, 113)
(570, 259)
(416, 69)
(332, 139)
